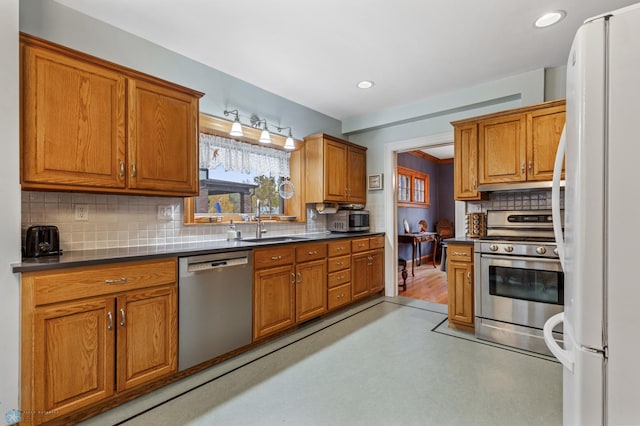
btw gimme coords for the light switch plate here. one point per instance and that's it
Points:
(165, 212)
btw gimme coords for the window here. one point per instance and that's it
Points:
(413, 188)
(234, 173)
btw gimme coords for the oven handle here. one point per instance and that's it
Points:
(564, 356)
(555, 195)
(522, 258)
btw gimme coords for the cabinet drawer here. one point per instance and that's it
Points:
(312, 251)
(360, 244)
(273, 257)
(337, 248)
(335, 279)
(79, 282)
(376, 242)
(460, 252)
(338, 263)
(339, 296)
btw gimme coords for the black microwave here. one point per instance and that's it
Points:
(349, 221)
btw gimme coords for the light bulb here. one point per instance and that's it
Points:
(236, 128)
(265, 137)
(288, 144)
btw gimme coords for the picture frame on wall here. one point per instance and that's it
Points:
(375, 182)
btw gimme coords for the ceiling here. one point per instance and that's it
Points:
(314, 52)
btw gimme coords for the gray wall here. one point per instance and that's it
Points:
(10, 195)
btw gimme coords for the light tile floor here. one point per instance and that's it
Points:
(379, 363)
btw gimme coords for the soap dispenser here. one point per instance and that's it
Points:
(231, 232)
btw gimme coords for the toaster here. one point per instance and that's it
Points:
(42, 240)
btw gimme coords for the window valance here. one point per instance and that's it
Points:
(242, 157)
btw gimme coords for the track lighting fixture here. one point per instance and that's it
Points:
(260, 124)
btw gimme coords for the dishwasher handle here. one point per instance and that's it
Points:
(217, 264)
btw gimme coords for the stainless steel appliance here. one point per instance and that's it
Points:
(519, 279)
(42, 240)
(215, 306)
(348, 221)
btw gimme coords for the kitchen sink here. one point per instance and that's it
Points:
(277, 239)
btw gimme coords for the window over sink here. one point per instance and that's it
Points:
(234, 174)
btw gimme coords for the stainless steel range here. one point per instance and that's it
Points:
(519, 280)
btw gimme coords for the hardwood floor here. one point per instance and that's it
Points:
(428, 284)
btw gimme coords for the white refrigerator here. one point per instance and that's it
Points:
(599, 248)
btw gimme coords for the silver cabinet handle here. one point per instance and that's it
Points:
(116, 281)
(276, 257)
(475, 184)
(311, 253)
(299, 277)
(457, 253)
(123, 319)
(469, 277)
(530, 166)
(134, 172)
(522, 168)
(121, 169)
(339, 263)
(110, 323)
(293, 278)
(339, 248)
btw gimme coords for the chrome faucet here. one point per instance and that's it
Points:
(259, 225)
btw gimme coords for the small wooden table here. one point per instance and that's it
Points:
(416, 241)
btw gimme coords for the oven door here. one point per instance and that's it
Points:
(520, 290)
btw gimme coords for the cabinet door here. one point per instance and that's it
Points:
(460, 278)
(376, 271)
(544, 130)
(74, 356)
(360, 271)
(335, 171)
(465, 162)
(163, 139)
(73, 124)
(147, 345)
(357, 168)
(273, 300)
(502, 149)
(311, 289)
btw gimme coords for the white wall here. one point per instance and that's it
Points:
(10, 196)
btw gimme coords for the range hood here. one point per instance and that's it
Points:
(521, 186)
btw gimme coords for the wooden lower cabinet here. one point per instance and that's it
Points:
(290, 286)
(311, 289)
(460, 286)
(82, 351)
(367, 264)
(273, 300)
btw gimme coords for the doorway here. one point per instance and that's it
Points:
(424, 200)
(391, 151)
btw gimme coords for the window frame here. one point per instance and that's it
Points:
(412, 177)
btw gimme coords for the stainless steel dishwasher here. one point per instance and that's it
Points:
(215, 306)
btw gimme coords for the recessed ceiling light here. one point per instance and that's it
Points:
(365, 84)
(550, 18)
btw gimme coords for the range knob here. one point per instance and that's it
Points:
(555, 251)
(493, 247)
(508, 249)
(541, 250)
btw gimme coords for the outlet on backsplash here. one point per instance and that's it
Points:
(81, 212)
(165, 212)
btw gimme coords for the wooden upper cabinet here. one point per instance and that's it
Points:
(465, 162)
(93, 126)
(511, 146)
(335, 170)
(73, 122)
(502, 149)
(543, 136)
(163, 136)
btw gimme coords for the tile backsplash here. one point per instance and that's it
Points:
(520, 200)
(115, 221)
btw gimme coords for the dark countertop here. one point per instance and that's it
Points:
(460, 240)
(102, 256)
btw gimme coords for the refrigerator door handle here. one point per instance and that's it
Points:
(555, 195)
(565, 357)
